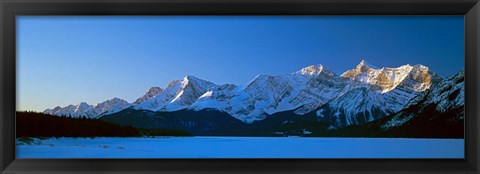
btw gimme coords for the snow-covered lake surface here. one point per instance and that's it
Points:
(241, 147)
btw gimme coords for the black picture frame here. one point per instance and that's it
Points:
(11, 8)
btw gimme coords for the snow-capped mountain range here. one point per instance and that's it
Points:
(91, 111)
(357, 96)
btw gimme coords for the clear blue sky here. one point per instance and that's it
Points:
(67, 60)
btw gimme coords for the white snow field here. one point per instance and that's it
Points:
(240, 147)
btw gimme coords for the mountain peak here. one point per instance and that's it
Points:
(83, 104)
(190, 77)
(362, 62)
(153, 91)
(115, 100)
(315, 70)
(110, 106)
(312, 69)
(192, 80)
(364, 66)
(187, 77)
(420, 66)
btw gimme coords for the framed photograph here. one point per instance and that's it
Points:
(252, 86)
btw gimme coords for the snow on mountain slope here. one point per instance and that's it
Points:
(319, 89)
(451, 88)
(191, 89)
(111, 106)
(220, 98)
(358, 96)
(177, 95)
(305, 89)
(152, 92)
(376, 93)
(444, 97)
(91, 111)
(162, 99)
(248, 103)
(71, 110)
(361, 105)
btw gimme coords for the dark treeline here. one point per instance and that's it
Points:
(34, 124)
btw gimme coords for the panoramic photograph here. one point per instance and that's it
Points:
(240, 87)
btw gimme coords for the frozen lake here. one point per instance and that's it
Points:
(241, 147)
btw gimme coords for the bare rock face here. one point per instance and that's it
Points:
(412, 78)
